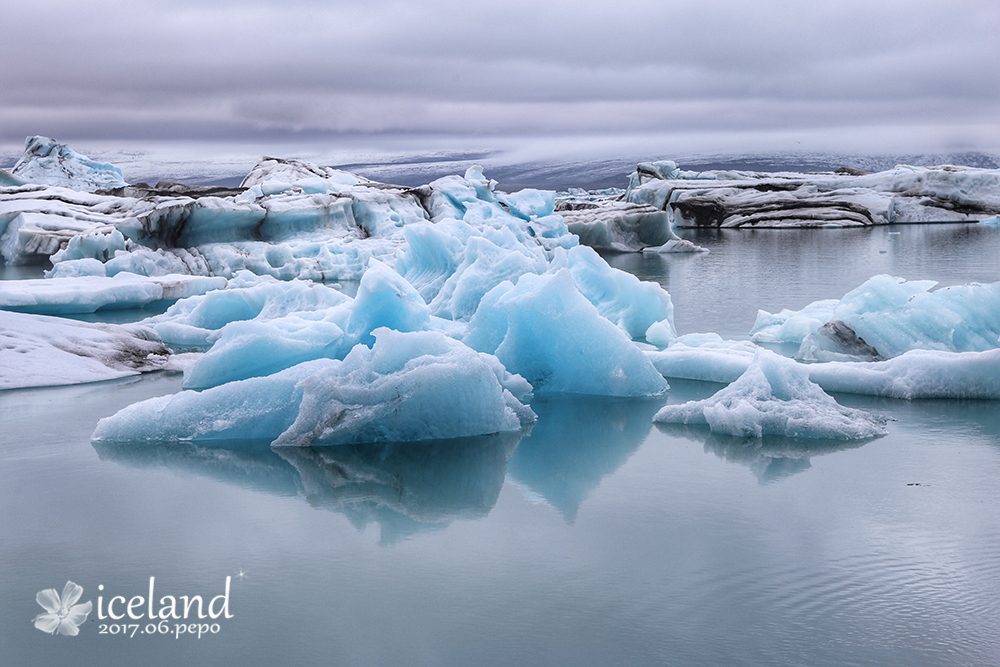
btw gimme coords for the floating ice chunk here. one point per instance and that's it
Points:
(90, 293)
(416, 386)
(705, 357)
(916, 374)
(432, 254)
(892, 316)
(677, 246)
(48, 163)
(452, 196)
(28, 237)
(661, 334)
(483, 186)
(385, 299)
(101, 245)
(775, 397)
(9, 180)
(992, 222)
(408, 386)
(546, 330)
(41, 351)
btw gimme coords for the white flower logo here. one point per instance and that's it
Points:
(64, 615)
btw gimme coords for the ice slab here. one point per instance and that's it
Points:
(41, 351)
(90, 293)
(775, 397)
(705, 357)
(916, 374)
(407, 387)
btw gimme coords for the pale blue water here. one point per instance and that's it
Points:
(598, 539)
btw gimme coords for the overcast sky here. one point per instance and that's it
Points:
(914, 75)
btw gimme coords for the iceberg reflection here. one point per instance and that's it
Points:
(405, 487)
(249, 464)
(770, 458)
(577, 441)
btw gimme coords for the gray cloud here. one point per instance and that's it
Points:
(231, 70)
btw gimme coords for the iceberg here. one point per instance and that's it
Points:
(888, 316)
(618, 226)
(49, 163)
(775, 397)
(42, 351)
(406, 387)
(788, 199)
(544, 329)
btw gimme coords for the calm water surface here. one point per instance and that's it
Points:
(598, 539)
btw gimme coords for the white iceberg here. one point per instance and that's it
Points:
(775, 397)
(787, 199)
(49, 163)
(42, 351)
(408, 386)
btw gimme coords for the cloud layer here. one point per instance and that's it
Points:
(921, 71)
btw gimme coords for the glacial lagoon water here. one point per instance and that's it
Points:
(597, 539)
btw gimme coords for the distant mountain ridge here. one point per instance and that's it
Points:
(412, 169)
